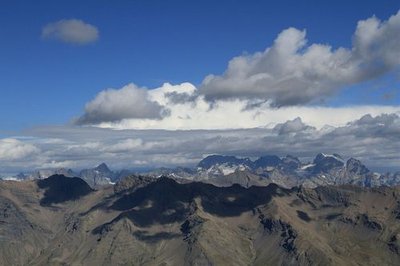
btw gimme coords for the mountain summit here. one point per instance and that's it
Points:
(103, 168)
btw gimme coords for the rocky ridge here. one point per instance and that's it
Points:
(145, 221)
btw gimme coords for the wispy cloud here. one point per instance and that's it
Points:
(72, 31)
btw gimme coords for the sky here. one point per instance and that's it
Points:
(150, 83)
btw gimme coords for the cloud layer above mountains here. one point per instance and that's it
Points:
(286, 80)
(373, 139)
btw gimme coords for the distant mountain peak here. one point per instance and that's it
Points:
(212, 160)
(103, 168)
(326, 162)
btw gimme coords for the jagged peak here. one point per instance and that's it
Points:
(102, 168)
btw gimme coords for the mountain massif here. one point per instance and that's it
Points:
(220, 170)
(143, 220)
(288, 172)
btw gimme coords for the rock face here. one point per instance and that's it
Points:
(355, 167)
(145, 221)
(98, 176)
(132, 182)
(267, 161)
(212, 160)
(324, 163)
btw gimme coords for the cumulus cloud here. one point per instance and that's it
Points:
(73, 31)
(291, 72)
(115, 105)
(14, 149)
(292, 126)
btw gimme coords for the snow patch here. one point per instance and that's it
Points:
(332, 156)
(304, 167)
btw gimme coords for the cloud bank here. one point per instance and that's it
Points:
(72, 31)
(291, 72)
(373, 139)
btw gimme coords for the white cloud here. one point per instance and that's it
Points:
(71, 31)
(290, 72)
(292, 127)
(14, 149)
(114, 105)
(198, 113)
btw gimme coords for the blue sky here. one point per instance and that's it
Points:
(152, 42)
(141, 84)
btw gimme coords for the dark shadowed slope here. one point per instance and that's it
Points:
(150, 204)
(60, 188)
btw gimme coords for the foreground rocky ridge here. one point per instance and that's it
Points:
(147, 221)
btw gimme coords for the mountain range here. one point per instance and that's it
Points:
(221, 170)
(142, 220)
(287, 172)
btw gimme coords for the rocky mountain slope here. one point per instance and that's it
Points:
(147, 221)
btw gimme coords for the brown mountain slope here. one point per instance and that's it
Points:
(161, 222)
